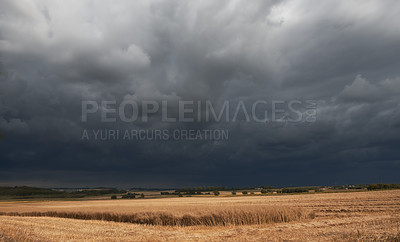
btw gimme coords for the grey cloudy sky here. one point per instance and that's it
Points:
(56, 54)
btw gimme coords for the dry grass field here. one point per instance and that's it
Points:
(358, 216)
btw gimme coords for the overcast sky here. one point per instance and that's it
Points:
(343, 54)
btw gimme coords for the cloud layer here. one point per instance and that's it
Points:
(344, 54)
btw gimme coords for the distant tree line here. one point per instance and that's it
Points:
(299, 189)
(130, 195)
(98, 192)
(170, 193)
(25, 192)
(381, 186)
(196, 190)
(193, 190)
(185, 193)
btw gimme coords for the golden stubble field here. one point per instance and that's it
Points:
(355, 216)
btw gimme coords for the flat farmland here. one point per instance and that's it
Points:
(348, 216)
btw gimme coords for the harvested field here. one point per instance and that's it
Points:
(362, 216)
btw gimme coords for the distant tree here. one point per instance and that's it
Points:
(296, 189)
(395, 186)
(142, 195)
(381, 186)
(129, 196)
(263, 191)
(216, 193)
(114, 197)
(233, 193)
(244, 192)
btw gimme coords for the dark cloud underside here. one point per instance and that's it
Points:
(344, 54)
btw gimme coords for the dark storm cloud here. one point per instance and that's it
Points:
(344, 54)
